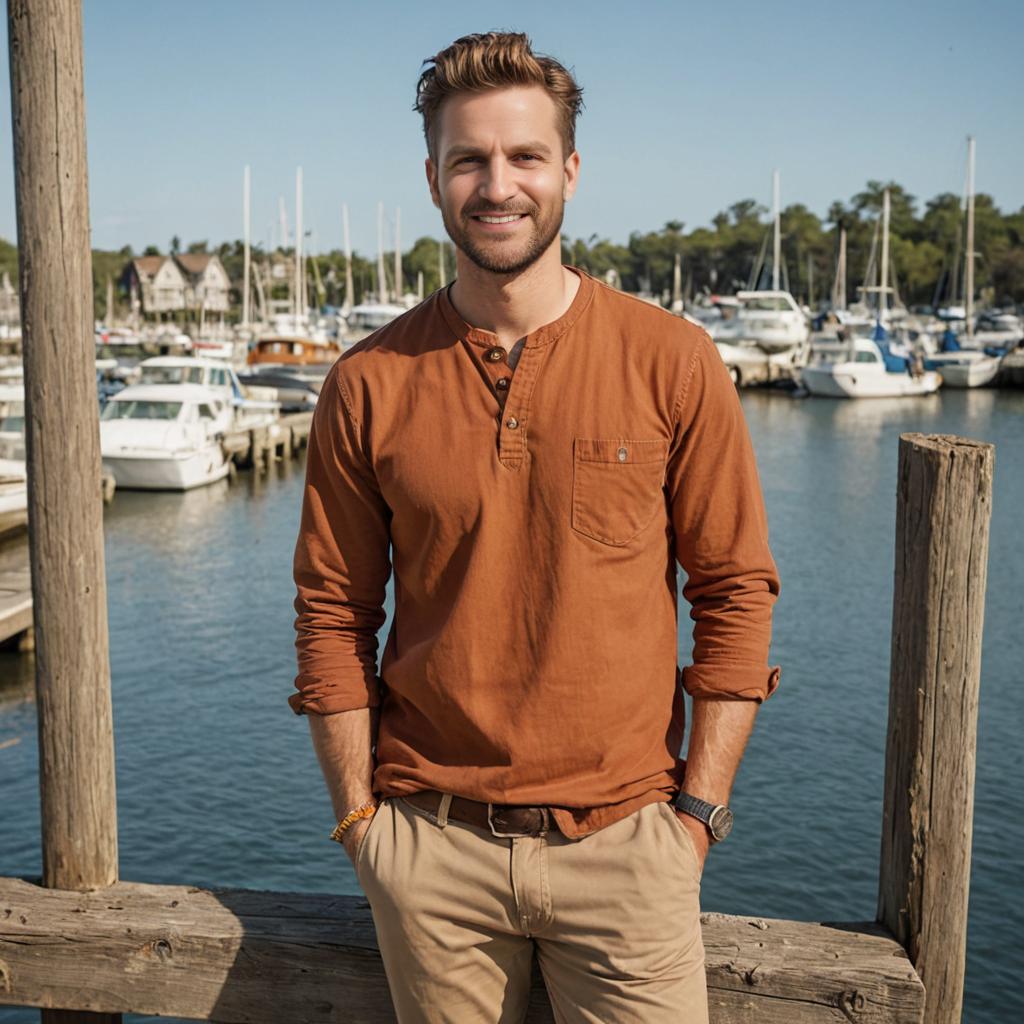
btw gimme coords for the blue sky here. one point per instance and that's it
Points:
(688, 108)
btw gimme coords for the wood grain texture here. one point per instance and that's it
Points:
(65, 490)
(942, 528)
(251, 956)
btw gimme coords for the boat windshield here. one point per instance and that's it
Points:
(137, 409)
(172, 375)
(766, 304)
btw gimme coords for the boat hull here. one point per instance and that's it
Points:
(849, 380)
(137, 472)
(974, 374)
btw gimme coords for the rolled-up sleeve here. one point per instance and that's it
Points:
(721, 537)
(341, 564)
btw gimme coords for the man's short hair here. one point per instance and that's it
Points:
(495, 60)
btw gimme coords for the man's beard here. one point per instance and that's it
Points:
(504, 257)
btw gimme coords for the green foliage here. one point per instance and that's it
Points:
(724, 257)
(926, 248)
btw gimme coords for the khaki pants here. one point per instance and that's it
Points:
(614, 918)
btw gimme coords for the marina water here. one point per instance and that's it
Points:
(218, 785)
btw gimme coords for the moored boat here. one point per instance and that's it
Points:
(869, 369)
(165, 437)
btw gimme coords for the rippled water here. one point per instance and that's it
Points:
(218, 783)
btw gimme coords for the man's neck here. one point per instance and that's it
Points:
(513, 306)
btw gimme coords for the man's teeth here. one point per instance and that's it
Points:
(501, 220)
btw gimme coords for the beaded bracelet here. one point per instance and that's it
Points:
(367, 810)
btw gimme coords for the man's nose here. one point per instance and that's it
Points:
(497, 185)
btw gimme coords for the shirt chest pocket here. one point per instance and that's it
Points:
(616, 487)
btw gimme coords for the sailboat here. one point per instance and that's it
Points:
(962, 361)
(365, 318)
(770, 317)
(872, 367)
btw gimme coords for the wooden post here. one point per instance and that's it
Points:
(76, 746)
(942, 525)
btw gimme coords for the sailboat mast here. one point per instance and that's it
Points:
(398, 254)
(349, 296)
(839, 292)
(298, 245)
(969, 255)
(247, 229)
(382, 284)
(883, 289)
(777, 236)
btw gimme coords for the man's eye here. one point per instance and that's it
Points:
(467, 160)
(527, 156)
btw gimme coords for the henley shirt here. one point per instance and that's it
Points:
(533, 521)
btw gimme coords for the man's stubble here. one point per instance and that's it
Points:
(500, 257)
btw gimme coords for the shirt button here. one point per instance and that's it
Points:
(501, 382)
(495, 354)
(622, 453)
(512, 423)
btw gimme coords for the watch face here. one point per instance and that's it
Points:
(720, 823)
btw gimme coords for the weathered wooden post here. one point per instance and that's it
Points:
(942, 525)
(76, 750)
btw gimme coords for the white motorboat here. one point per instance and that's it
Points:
(998, 329)
(253, 407)
(772, 320)
(165, 437)
(869, 369)
(365, 318)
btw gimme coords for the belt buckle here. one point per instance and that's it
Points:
(545, 826)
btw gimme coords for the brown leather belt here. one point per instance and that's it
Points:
(506, 820)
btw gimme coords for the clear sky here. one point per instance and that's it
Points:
(689, 106)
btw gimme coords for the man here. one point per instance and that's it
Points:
(531, 452)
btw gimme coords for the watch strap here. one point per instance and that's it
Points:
(696, 807)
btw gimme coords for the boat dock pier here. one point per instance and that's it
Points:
(16, 603)
(257, 449)
(1011, 370)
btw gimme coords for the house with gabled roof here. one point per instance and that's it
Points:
(156, 285)
(209, 287)
(160, 285)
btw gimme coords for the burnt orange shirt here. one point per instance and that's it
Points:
(533, 520)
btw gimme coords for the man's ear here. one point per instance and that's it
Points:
(570, 175)
(435, 195)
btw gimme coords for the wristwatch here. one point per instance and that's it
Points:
(717, 817)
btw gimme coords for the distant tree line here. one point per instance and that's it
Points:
(927, 249)
(927, 254)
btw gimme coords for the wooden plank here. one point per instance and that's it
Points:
(16, 580)
(944, 503)
(229, 954)
(15, 614)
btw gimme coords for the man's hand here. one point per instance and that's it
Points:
(698, 833)
(352, 837)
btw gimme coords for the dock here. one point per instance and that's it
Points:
(260, 447)
(16, 605)
(1011, 370)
